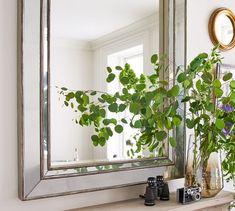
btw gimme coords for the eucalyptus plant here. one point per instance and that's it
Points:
(211, 110)
(151, 103)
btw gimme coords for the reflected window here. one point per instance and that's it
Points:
(118, 146)
(224, 29)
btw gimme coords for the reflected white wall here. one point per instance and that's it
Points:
(71, 66)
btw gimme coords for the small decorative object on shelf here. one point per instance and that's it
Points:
(149, 197)
(162, 188)
(165, 195)
(156, 189)
(152, 184)
(188, 194)
(76, 156)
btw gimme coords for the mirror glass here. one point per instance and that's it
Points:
(69, 43)
(224, 29)
(85, 38)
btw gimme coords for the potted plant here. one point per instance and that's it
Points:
(211, 118)
(153, 106)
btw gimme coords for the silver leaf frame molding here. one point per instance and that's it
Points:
(37, 179)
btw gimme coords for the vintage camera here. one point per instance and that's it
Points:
(188, 194)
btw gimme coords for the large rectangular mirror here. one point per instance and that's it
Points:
(70, 44)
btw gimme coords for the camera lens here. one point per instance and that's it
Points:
(196, 196)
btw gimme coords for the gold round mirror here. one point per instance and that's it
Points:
(222, 28)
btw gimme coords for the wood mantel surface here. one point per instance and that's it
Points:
(218, 203)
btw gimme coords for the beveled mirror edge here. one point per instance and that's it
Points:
(22, 194)
(163, 8)
(163, 48)
(211, 28)
(20, 99)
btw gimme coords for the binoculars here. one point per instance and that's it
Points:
(156, 189)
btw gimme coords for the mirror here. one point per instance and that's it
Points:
(222, 28)
(69, 44)
(83, 44)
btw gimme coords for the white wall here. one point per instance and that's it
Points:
(71, 67)
(198, 38)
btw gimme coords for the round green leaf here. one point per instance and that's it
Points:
(161, 135)
(118, 128)
(186, 99)
(181, 77)
(137, 124)
(218, 92)
(217, 83)
(66, 103)
(118, 68)
(113, 107)
(124, 80)
(109, 69)
(93, 93)
(113, 121)
(64, 89)
(232, 84)
(140, 87)
(172, 142)
(124, 121)
(190, 123)
(125, 91)
(154, 59)
(85, 99)
(101, 100)
(207, 77)
(176, 121)
(102, 141)
(106, 122)
(135, 108)
(219, 123)
(232, 96)
(102, 112)
(186, 83)
(70, 95)
(122, 107)
(199, 85)
(110, 77)
(95, 140)
(109, 131)
(81, 108)
(175, 90)
(227, 76)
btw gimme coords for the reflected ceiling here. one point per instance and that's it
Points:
(87, 20)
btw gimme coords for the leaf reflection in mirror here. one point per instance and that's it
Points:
(139, 104)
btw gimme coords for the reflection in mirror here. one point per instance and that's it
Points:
(224, 29)
(85, 40)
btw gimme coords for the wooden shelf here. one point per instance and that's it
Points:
(218, 203)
